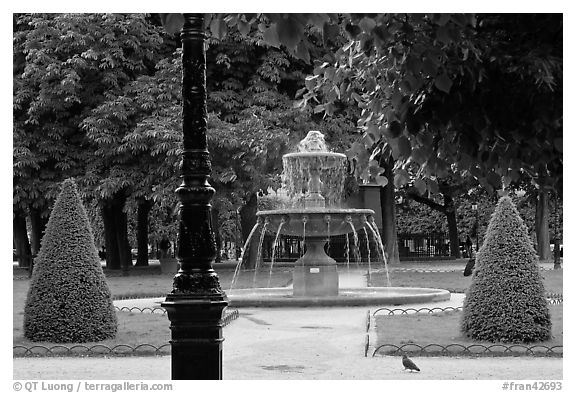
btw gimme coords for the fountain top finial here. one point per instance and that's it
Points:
(314, 141)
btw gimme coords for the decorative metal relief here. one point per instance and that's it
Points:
(196, 163)
(196, 284)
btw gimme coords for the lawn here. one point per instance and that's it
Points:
(452, 281)
(135, 328)
(160, 284)
(442, 329)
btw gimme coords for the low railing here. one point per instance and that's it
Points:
(473, 349)
(143, 349)
(433, 349)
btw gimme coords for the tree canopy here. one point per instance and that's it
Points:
(97, 96)
(65, 66)
(478, 94)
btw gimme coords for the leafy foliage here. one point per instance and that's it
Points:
(483, 93)
(67, 65)
(413, 217)
(69, 299)
(506, 300)
(136, 132)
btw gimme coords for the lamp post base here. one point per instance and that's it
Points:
(196, 325)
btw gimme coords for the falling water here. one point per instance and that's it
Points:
(376, 240)
(347, 253)
(368, 253)
(374, 227)
(274, 246)
(259, 255)
(355, 235)
(304, 221)
(246, 245)
(327, 219)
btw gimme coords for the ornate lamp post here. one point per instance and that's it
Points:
(475, 209)
(196, 303)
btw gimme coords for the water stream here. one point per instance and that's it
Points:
(327, 220)
(368, 253)
(259, 255)
(244, 253)
(372, 225)
(304, 221)
(347, 252)
(274, 247)
(356, 247)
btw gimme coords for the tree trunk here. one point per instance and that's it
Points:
(542, 227)
(388, 206)
(144, 207)
(248, 216)
(118, 254)
(21, 242)
(450, 211)
(112, 256)
(238, 240)
(38, 224)
(121, 226)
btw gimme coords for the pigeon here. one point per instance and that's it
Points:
(409, 364)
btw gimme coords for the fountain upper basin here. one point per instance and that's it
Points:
(317, 220)
(320, 159)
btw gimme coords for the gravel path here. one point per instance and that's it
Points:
(327, 365)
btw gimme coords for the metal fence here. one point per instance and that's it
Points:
(143, 349)
(434, 349)
(470, 350)
(341, 248)
(423, 246)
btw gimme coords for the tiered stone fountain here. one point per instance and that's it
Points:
(315, 216)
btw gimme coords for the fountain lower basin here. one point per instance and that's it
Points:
(347, 297)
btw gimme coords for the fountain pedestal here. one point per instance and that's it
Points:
(315, 273)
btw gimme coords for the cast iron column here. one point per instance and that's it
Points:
(196, 304)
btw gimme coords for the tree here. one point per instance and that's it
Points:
(69, 299)
(506, 300)
(449, 88)
(68, 64)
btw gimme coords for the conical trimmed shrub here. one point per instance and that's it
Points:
(506, 301)
(69, 299)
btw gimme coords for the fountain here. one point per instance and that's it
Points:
(314, 180)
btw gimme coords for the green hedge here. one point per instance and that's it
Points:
(506, 300)
(69, 299)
